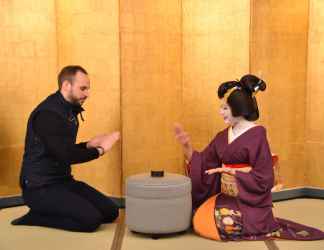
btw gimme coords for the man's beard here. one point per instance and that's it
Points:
(76, 101)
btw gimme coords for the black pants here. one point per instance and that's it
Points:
(71, 205)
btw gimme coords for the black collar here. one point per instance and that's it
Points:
(75, 108)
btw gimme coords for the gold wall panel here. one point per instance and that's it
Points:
(88, 35)
(215, 49)
(279, 56)
(27, 69)
(153, 63)
(315, 96)
(151, 87)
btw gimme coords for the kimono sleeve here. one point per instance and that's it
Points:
(255, 187)
(203, 185)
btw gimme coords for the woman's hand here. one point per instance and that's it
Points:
(184, 139)
(221, 170)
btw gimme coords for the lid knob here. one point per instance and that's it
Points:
(159, 173)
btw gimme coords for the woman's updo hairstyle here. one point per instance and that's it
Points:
(240, 96)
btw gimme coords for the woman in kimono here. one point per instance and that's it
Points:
(233, 176)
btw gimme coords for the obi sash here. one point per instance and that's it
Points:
(228, 182)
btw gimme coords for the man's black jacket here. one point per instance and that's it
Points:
(50, 143)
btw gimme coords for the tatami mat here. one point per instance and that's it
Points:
(306, 211)
(188, 241)
(40, 238)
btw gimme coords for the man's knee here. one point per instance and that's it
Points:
(115, 213)
(89, 227)
(90, 223)
(112, 214)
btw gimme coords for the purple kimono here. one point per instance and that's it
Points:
(254, 199)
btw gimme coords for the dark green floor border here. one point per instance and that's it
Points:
(305, 192)
(15, 201)
(12, 201)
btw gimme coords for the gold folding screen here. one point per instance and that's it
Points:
(151, 56)
(88, 35)
(27, 71)
(153, 63)
(215, 49)
(315, 96)
(172, 60)
(279, 55)
(37, 40)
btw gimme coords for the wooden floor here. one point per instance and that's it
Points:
(116, 236)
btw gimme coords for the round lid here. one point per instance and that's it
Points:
(170, 185)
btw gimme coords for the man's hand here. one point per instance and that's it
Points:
(184, 139)
(96, 141)
(108, 141)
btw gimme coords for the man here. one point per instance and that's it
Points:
(54, 197)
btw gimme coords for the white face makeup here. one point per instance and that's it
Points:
(226, 113)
